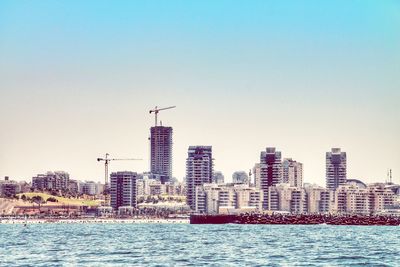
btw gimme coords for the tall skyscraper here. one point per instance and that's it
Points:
(199, 170)
(123, 189)
(270, 171)
(335, 168)
(292, 173)
(161, 153)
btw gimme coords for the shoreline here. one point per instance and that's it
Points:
(91, 221)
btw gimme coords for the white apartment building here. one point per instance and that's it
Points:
(284, 197)
(227, 198)
(351, 199)
(90, 188)
(292, 173)
(199, 171)
(319, 199)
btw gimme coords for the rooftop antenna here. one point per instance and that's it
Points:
(390, 175)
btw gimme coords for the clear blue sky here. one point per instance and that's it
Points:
(77, 79)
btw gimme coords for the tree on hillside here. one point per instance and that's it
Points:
(52, 199)
(141, 199)
(38, 200)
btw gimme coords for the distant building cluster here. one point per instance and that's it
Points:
(148, 186)
(274, 184)
(278, 187)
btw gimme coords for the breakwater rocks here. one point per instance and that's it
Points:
(259, 218)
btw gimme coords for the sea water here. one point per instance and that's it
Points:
(198, 245)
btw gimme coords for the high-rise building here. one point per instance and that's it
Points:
(335, 169)
(199, 171)
(270, 171)
(292, 172)
(161, 153)
(123, 189)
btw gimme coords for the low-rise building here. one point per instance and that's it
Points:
(157, 188)
(380, 197)
(351, 199)
(319, 199)
(9, 188)
(284, 197)
(91, 188)
(375, 198)
(58, 180)
(214, 198)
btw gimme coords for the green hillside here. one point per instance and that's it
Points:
(63, 200)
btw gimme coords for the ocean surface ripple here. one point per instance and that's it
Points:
(198, 245)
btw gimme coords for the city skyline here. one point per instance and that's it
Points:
(77, 81)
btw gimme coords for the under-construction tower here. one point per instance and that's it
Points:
(161, 149)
